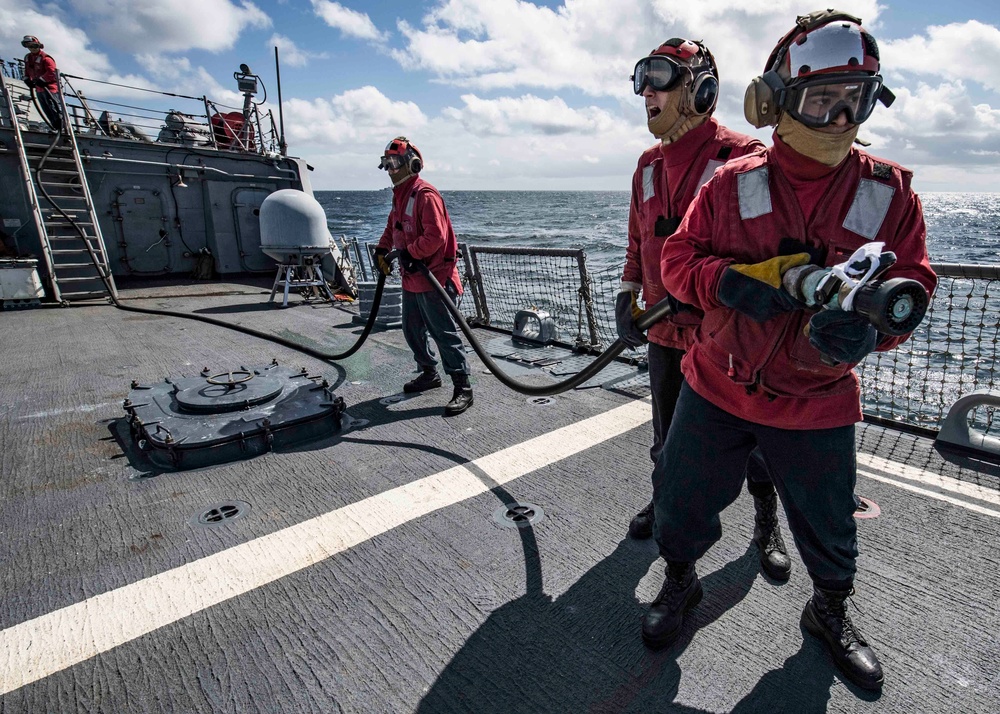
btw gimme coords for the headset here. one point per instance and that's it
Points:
(760, 103)
(704, 92)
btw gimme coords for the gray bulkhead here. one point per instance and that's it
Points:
(152, 224)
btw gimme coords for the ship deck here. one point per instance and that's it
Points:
(368, 572)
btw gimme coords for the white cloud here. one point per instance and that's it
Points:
(936, 125)
(592, 45)
(358, 115)
(350, 22)
(290, 53)
(507, 116)
(968, 51)
(69, 45)
(170, 25)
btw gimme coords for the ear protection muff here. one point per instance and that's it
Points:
(704, 93)
(761, 103)
(705, 87)
(414, 161)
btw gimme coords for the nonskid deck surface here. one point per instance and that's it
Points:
(370, 573)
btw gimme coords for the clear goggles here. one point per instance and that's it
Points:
(818, 102)
(657, 72)
(393, 162)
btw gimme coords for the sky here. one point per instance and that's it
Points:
(512, 94)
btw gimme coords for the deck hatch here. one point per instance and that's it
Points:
(225, 415)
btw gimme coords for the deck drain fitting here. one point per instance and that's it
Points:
(222, 513)
(394, 399)
(516, 515)
(539, 401)
(867, 508)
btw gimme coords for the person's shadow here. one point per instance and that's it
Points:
(580, 652)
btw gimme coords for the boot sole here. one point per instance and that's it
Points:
(658, 643)
(417, 390)
(817, 630)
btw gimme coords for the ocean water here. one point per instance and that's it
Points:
(961, 227)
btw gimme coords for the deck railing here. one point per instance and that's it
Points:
(162, 117)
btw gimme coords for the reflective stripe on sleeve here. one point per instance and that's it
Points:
(754, 193)
(870, 206)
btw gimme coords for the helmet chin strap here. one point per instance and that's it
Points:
(828, 149)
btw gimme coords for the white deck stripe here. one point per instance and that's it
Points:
(932, 494)
(910, 473)
(50, 643)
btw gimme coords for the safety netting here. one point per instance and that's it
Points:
(950, 355)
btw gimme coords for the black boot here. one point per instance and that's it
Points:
(641, 525)
(825, 616)
(462, 398)
(680, 592)
(427, 379)
(767, 535)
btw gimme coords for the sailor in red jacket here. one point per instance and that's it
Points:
(679, 82)
(419, 229)
(40, 74)
(763, 371)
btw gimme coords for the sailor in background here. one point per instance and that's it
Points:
(763, 371)
(419, 229)
(40, 74)
(679, 82)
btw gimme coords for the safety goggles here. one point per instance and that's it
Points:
(818, 102)
(657, 72)
(393, 162)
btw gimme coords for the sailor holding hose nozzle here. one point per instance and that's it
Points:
(766, 369)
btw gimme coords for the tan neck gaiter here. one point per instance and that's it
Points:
(674, 121)
(828, 149)
(402, 176)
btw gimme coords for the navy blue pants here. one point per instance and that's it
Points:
(665, 380)
(426, 316)
(701, 470)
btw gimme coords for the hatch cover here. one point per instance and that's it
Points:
(228, 414)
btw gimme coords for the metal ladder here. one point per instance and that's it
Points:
(63, 209)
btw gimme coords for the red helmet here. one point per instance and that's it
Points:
(826, 65)
(30, 41)
(400, 152)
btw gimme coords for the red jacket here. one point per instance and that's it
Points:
(768, 373)
(419, 223)
(664, 184)
(42, 69)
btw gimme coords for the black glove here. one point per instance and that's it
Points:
(385, 266)
(626, 310)
(755, 289)
(841, 335)
(29, 82)
(409, 263)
